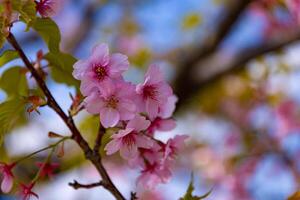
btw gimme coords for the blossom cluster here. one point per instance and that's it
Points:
(25, 190)
(267, 9)
(137, 111)
(48, 8)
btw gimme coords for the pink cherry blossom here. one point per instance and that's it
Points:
(7, 176)
(114, 103)
(294, 7)
(167, 110)
(154, 92)
(288, 118)
(48, 8)
(152, 155)
(129, 140)
(153, 174)
(47, 169)
(163, 122)
(100, 69)
(161, 125)
(26, 191)
(173, 146)
(150, 195)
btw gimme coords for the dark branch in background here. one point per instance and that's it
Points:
(237, 64)
(94, 157)
(87, 23)
(187, 65)
(77, 185)
(133, 196)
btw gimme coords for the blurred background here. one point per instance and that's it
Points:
(234, 64)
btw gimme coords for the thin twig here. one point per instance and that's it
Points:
(41, 150)
(77, 185)
(187, 90)
(133, 196)
(188, 63)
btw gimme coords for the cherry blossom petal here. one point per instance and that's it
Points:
(164, 91)
(154, 74)
(167, 109)
(139, 123)
(127, 109)
(144, 142)
(113, 146)
(100, 54)
(118, 64)
(166, 125)
(148, 180)
(7, 183)
(109, 117)
(87, 87)
(152, 108)
(129, 151)
(80, 69)
(123, 133)
(94, 103)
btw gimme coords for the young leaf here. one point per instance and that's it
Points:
(61, 65)
(49, 31)
(28, 11)
(7, 56)
(14, 82)
(26, 8)
(11, 114)
(189, 193)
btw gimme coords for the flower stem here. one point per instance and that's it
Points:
(52, 146)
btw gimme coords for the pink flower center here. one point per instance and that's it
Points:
(149, 91)
(112, 102)
(128, 140)
(151, 168)
(100, 72)
(26, 191)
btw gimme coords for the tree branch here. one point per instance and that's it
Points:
(94, 157)
(238, 63)
(187, 64)
(82, 31)
(77, 185)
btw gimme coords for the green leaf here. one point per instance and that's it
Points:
(27, 10)
(49, 31)
(189, 193)
(11, 114)
(61, 65)
(89, 126)
(14, 82)
(8, 56)
(16, 4)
